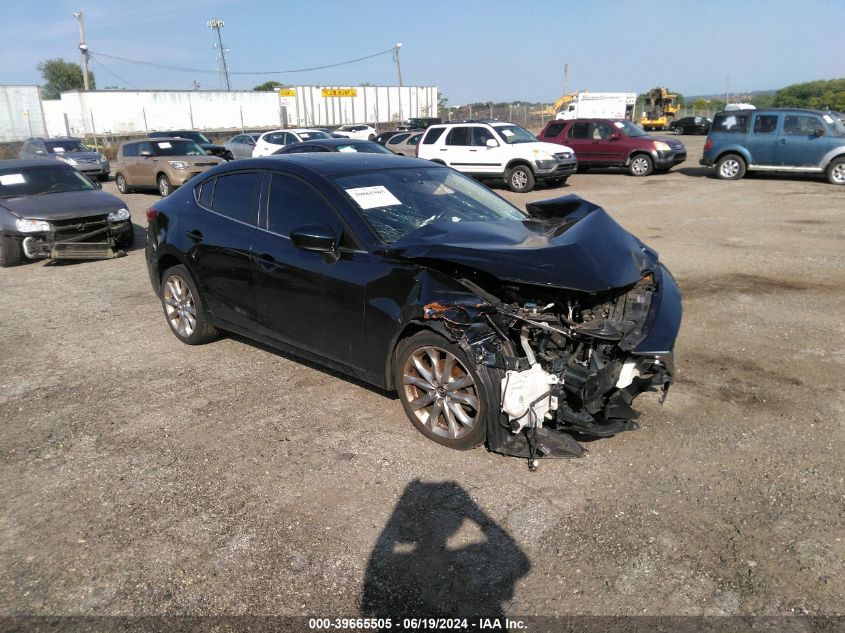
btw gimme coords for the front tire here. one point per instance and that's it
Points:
(679, 131)
(641, 165)
(730, 167)
(122, 185)
(11, 253)
(441, 392)
(165, 188)
(836, 171)
(184, 309)
(520, 179)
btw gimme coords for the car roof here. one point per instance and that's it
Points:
(334, 141)
(774, 111)
(158, 139)
(333, 163)
(17, 163)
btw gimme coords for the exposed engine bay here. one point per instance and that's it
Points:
(569, 358)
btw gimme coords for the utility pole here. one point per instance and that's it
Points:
(396, 59)
(83, 47)
(216, 24)
(566, 79)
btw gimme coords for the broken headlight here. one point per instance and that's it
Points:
(119, 216)
(25, 225)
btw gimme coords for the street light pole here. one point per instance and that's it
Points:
(216, 24)
(396, 59)
(83, 48)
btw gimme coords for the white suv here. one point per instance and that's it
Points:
(497, 149)
(269, 142)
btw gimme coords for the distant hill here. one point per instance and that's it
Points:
(735, 96)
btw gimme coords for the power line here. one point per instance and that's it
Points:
(232, 72)
(109, 71)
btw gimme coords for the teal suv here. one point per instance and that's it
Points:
(780, 140)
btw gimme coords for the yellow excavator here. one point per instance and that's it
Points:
(659, 109)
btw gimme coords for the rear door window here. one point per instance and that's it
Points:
(579, 130)
(458, 136)
(236, 196)
(765, 123)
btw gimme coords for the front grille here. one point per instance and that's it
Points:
(563, 156)
(204, 164)
(88, 161)
(66, 229)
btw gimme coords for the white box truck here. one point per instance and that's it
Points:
(605, 105)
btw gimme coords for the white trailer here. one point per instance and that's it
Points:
(606, 105)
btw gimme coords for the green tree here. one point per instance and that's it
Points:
(828, 93)
(60, 76)
(763, 101)
(269, 86)
(442, 105)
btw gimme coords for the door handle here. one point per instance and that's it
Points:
(195, 236)
(473, 150)
(443, 149)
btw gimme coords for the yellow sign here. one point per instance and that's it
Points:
(340, 92)
(287, 92)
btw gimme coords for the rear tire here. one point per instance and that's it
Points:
(424, 389)
(165, 188)
(641, 165)
(520, 179)
(836, 171)
(122, 186)
(11, 253)
(184, 309)
(730, 167)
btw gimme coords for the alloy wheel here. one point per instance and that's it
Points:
(441, 392)
(639, 165)
(729, 168)
(179, 306)
(837, 174)
(519, 179)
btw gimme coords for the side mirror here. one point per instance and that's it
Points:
(146, 153)
(818, 132)
(319, 238)
(491, 142)
(615, 136)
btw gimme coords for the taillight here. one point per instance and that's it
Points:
(708, 144)
(152, 212)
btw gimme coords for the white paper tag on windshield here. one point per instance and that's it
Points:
(164, 145)
(305, 136)
(828, 118)
(58, 150)
(618, 124)
(507, 132)
(373, 197)
(346, 148)
(12, 179)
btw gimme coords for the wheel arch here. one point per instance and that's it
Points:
(415, 326)
(515, 162)
(741, 152)
(638, 152)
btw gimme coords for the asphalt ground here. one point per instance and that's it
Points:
(142, 476)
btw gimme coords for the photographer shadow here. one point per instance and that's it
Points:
(440, 555)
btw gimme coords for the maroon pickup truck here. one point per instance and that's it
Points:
(615, 143)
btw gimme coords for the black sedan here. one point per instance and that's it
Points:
(382, 138)
(343, 145)
(49, 210)
(691, 125)
(521, 330)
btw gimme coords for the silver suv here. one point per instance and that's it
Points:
(69, 150)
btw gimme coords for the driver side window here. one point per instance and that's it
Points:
(294, 203)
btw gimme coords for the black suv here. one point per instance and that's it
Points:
(200, 139)
(419, 123)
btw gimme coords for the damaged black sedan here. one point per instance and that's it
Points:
(524, 331)
(49, 210)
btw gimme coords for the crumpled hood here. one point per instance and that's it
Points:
(63, 206)
(568, 243)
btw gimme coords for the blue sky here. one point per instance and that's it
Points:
(472, 50)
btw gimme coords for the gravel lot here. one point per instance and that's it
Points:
(143, 476)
